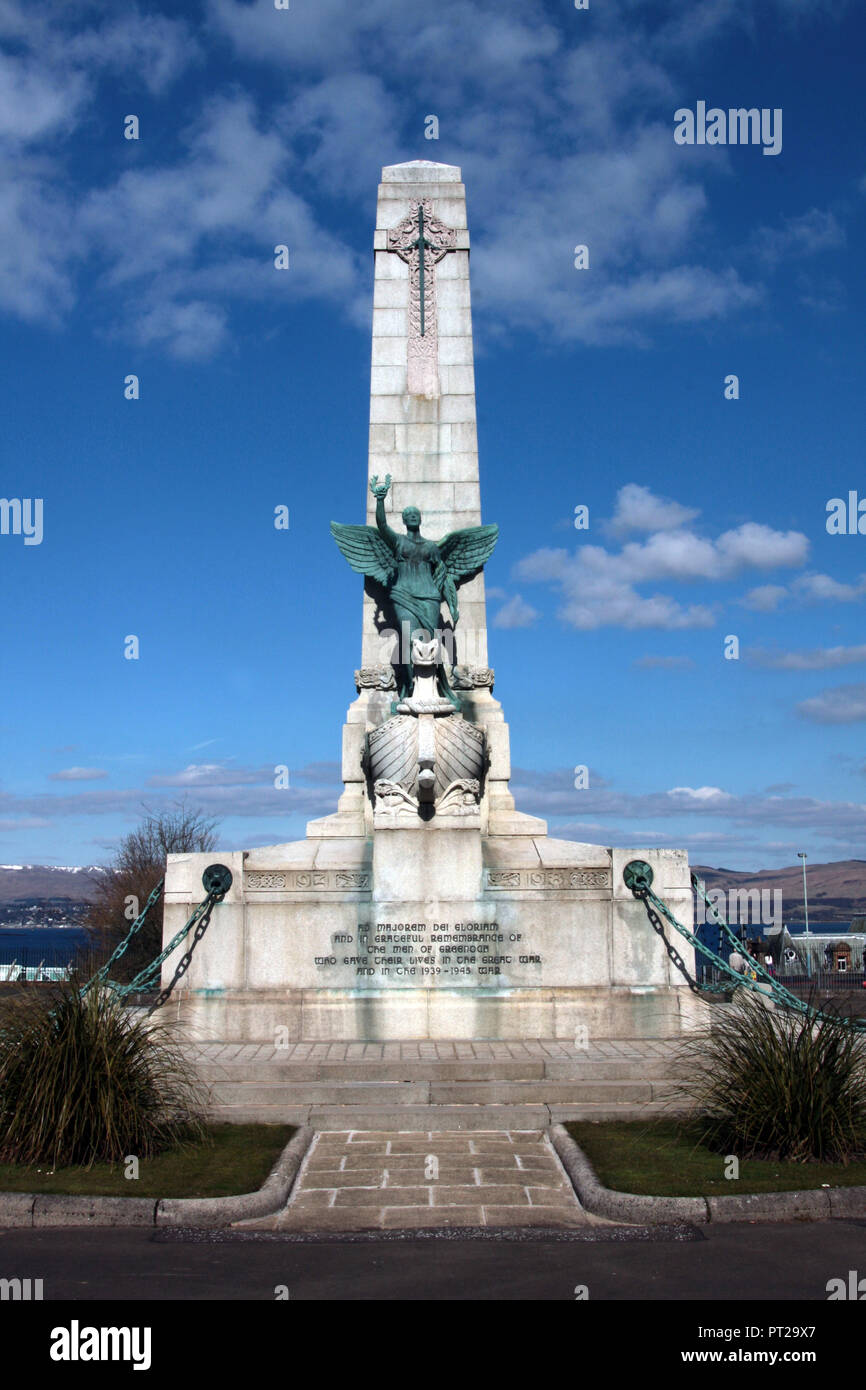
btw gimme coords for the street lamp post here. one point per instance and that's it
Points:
(801, 855)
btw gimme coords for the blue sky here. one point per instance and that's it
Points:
(602, 387)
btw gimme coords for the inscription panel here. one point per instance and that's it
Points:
(300, 880)
(548, 878)
(428, 953)
(539, 927)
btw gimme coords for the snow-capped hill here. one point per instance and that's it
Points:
(38, 882)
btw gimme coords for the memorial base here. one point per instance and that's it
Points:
(313, 1015)
(431, 932)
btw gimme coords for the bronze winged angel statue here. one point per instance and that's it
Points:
(418, 575)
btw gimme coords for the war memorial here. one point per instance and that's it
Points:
(427, 906)
(428, 988)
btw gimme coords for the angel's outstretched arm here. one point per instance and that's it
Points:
(380, 492)
(388, 536)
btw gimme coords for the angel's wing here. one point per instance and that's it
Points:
(365, 550)
(465, 552)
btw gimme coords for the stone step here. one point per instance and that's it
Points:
(270, 1069)
(543, 1092)
(273, 1069)
(250, 1082)
(655, 1109)
(368, 1093)
(644, 1069)
(379, 1118)
(321, 1093)
(439, 1117)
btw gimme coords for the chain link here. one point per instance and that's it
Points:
(120, 950)
(643, 892)
(184, 963)
(643, 895)
(779, 990)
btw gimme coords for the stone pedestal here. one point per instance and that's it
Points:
(430, 933)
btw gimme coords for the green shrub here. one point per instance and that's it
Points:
(83, 1080)
(776, 1084)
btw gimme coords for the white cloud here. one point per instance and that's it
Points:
(36, 264)
(48, 84)
(500, 38)
(49, 80)
(516, 613)
(37, 99)
(606, 74)
(153, 218)
(601, 587)
(805, 235)
(205, 231)
(839, 826)
(345, 124)
(762, 547)
(510, 123)
(691, 27)
(512, 89)
(192, 331)
(212, 775)
(595, 595)
(823, 586)
(664, 663)
(155, 48)
(704, 794)
(766, 598)
(640, 509)
(844, 704)
(78, 774)
(818, 659)
(219, 791)
(177, 236)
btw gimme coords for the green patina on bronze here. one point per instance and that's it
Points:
(418, 575)
(422, 244)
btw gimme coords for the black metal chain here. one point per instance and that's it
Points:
(656, 923)
(184, 962)
(638, 876)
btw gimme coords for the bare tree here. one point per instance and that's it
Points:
(137, 867)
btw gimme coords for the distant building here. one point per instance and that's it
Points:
(840, 949)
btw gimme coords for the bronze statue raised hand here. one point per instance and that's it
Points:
(380, 490)
(417, 574)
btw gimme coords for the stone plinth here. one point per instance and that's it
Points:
(432, 933)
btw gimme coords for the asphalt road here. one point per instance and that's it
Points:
(784, 1262)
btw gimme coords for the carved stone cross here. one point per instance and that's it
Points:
(421, 240)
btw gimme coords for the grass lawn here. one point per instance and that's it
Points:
(662, 1158)
(237, 1159)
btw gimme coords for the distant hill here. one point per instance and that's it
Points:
(30, 883)
(837, 892)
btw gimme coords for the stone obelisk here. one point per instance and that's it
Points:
(422, 378)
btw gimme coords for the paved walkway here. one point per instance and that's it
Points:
(361, 1179)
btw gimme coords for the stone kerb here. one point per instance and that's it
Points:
(807, 1205)
(27, 1209)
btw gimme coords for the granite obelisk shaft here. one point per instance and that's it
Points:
(422, 383)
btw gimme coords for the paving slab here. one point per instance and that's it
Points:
(382, 1180)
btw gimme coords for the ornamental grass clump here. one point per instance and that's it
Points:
(83, 1080)
(776, 1084)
